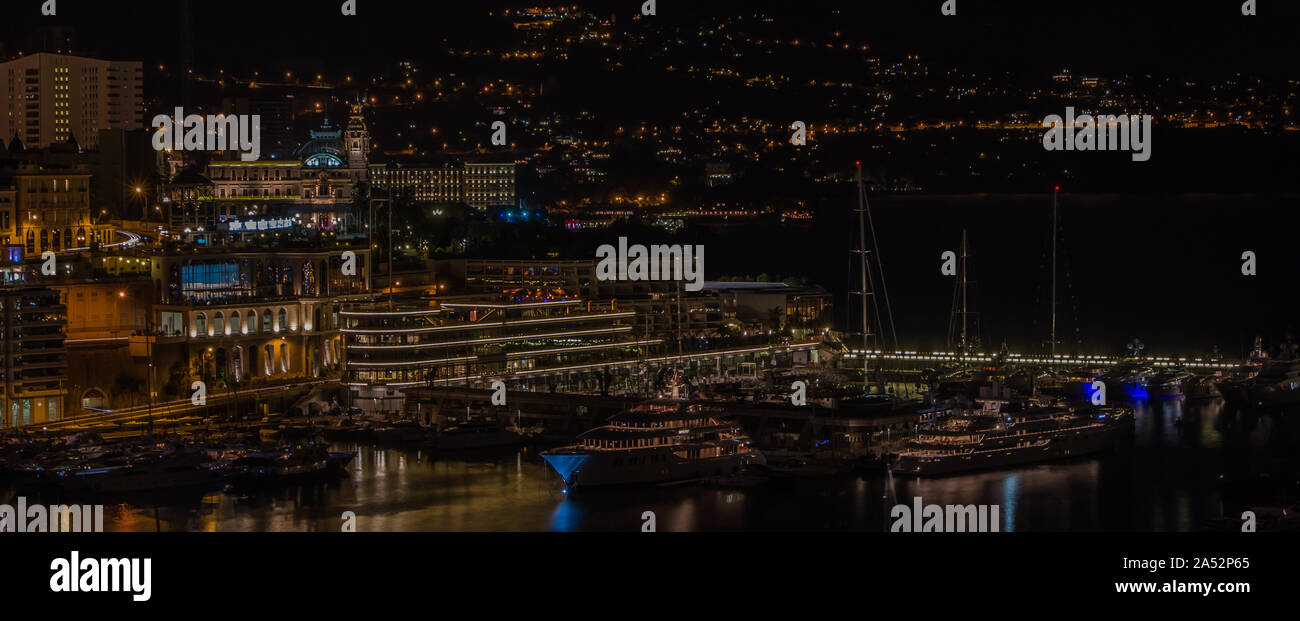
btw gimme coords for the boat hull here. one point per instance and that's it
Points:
(1070, 444)
(600, 469)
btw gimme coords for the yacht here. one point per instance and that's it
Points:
(655, 442)
(1002, 434)
(1235, 387)
(1128, 378)
(1201, 386)
(1168, 384)
(1276, 385)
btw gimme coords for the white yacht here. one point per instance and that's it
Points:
(655, 442)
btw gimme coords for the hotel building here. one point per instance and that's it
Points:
(478, 184)
(50, 98)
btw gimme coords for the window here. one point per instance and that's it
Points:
(266, 321)
(284, 357)
(237, 362)
(281, 324)
(200, 324)
(219, 324)
(234, 322)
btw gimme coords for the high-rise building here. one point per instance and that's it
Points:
(33, 358)
(276, 117)
(50, 98)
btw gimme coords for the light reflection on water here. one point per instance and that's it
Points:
(1189, 463)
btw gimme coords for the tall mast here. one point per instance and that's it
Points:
(964, 308)
(863, 293)
(1055, 190)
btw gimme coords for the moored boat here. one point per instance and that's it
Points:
(1003, 434)
(655, 442)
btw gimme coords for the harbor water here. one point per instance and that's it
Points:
(1188, 463)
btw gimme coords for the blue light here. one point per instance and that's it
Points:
(1136, 391)
(566, 465)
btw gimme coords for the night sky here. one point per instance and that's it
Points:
(1190, 38)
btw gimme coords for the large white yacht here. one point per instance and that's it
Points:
(655, 442)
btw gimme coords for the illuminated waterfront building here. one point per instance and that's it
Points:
(241, 317)
(464, 343)
(654, 301)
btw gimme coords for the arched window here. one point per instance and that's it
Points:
(284, 357)
(81, 236)
(31, 242)
(219, 324)
(201, 324)
(67, 238)
(252, 323)
(234, 323)
(45, 240)
(282, 322)
(268, 360)
(267, 324)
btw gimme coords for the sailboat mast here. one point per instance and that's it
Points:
(964, 307)
(1055, 190)
(862, 270)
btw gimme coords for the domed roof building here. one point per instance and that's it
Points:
(325, 149)
(315, 188)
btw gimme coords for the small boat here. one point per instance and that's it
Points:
(476, 434)
(147, 472)
(278, 467)
(400, 432)
(337, 462)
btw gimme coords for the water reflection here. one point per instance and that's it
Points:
(1189, 462)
